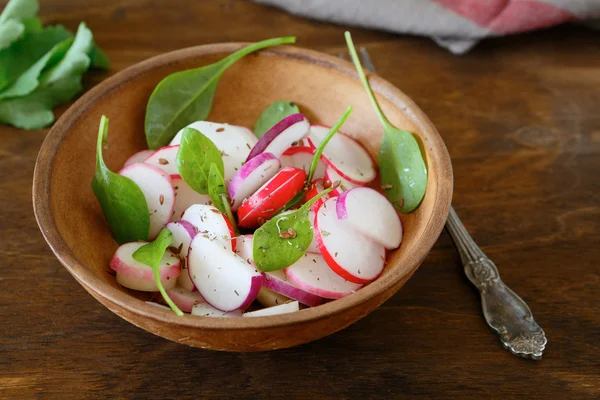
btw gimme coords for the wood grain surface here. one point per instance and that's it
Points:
(520, 117)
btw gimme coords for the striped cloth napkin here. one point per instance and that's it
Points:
(454, 24)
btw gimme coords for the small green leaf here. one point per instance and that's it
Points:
(187, 96)
(401, 164)
(122, 201)
(99, 58)
(151, 254)
(76, 61)
(194, 158)
(19, 9)
(273, 114)
(17, 18)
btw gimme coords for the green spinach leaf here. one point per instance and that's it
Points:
(273, 114)
(187, 96)
(12, 24)
(151, 254)
(401, 165)
(219, 195)
(122, 201)
(195, 155)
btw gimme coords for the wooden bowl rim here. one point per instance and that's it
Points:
(45, 162)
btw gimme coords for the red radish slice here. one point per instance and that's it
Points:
(139, 157)
(251, 177)
(316, 187)
(233, 141)
(281, 136)
(158, 191)
(137, 276)
(349, 254)
(269, 298)
(206, 310)
(212, 224)
(271, 197)
(371, 214)
(164, 158)
(224, 279)
(345, 155)
(185, 197)
(279, 283)
(277, 310)
(183, 233)
(312, 274)
(331, 177)
(301, 157)
(185, 299)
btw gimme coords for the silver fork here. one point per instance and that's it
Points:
(505, 312)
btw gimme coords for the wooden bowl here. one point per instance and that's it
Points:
(72, 223)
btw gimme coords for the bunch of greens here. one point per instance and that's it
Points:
(40, 68)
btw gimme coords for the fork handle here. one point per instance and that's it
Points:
(505, 312)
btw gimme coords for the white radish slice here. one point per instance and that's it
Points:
(224, 279)
(312, 274)
(158, 191)
(277, 310)
(234, 142)
(301, 157)
(281, 136)
(185, 197)
(185, 299)
(345, 155)
(137, 276)
(279, 283)
(251, 176)
(331, 177)
(206, 310)
(139, 157)
(210, 223)
(371, 214)
(349, 254)
(269, 298)
(314, 245)
(183, 233)
(243, 248)
(164, 158)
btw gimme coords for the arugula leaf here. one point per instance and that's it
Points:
(401, 165)
(273, 114)
(283, 240)
(187, 96)
(76, 61)
(11, 24)
(122, 201)
(194, 158)
(219, 195)
(151, 254)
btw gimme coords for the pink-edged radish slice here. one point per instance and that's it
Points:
(139, 157)
(281, 136)
(271, 197)
(371, 214)
(243, 248)
(224, 279)
(164, 158)
(278, 282)
(277, 310)
(311, 273)
(269, 298)
(134, 275)
(316, 187)
(185, 197)
(206, 310)
(183, 233)
(344, 154)
(233, 141)
(301, 157)
(349, 254)
(212, 224)
(314, 245)
(158, 191)
(331, 177)
(185, 299)
(251, 176)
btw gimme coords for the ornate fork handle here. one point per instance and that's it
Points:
(504, 311)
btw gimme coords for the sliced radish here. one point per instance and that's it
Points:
(301, 157)
(164, 158)
(345, 155)
(137, 276)
(277, 310)
(233, 141)
(251, 177)
(158, 191)
(183, 233)
(279, 283)
(316, 187)
(331, 177)
(349, 254)
(371, 214)
(314, 245)
(185, 299)
(139, 157)
(224, 279)
(311, 273)
(269, 298)
(185, 197)
(244, 248)
(210, 223)
(281, 136)
(271, 197)
(206, 310)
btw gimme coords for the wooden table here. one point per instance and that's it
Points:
(520, 117)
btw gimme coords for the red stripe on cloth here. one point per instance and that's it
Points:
(506, 16)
